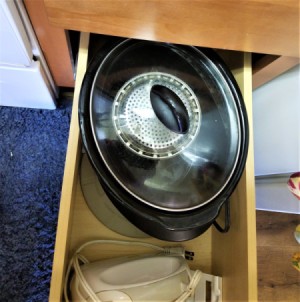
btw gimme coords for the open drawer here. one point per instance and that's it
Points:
(231, 256)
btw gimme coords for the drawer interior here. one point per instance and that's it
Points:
(231, 255)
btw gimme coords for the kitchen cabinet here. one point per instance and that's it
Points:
(263, 27)
(54, 43)
(267, 27)
(25, 79)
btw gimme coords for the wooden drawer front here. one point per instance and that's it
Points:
(231, 255)
(264, 26)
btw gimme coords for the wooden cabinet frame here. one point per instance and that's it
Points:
(265, 26)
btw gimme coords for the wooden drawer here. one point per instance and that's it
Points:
(231, 255)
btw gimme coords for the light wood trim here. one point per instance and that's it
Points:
(53, 42)
(69, 184)
(262, 26)
(266, 70)
(247, 187)
(234, 253)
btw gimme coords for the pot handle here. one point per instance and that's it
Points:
(226, 226)
(169, 109)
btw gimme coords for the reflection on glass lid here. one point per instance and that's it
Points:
(141, 90)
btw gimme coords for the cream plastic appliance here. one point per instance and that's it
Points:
(164, 277)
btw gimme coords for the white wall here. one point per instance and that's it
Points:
(276, 114)
(276, 119)
(272, 195)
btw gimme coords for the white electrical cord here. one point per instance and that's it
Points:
(74, 262)
(82, 279)
(191, 287)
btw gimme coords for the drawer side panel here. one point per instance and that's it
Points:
(69, 184)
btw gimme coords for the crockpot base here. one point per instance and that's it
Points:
(101, 206)
(160, 223)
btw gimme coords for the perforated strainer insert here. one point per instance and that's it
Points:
(137, 125)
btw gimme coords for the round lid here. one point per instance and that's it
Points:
(166, 123)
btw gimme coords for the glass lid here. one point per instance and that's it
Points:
(165, 123)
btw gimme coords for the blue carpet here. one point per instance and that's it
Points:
(32, 156)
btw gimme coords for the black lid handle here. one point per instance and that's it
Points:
(169, 109)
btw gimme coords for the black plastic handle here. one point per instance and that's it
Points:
(169, 109)
(226, 226)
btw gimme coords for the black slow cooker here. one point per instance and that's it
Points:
(165, 129)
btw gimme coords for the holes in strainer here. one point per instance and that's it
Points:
(133, 116)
